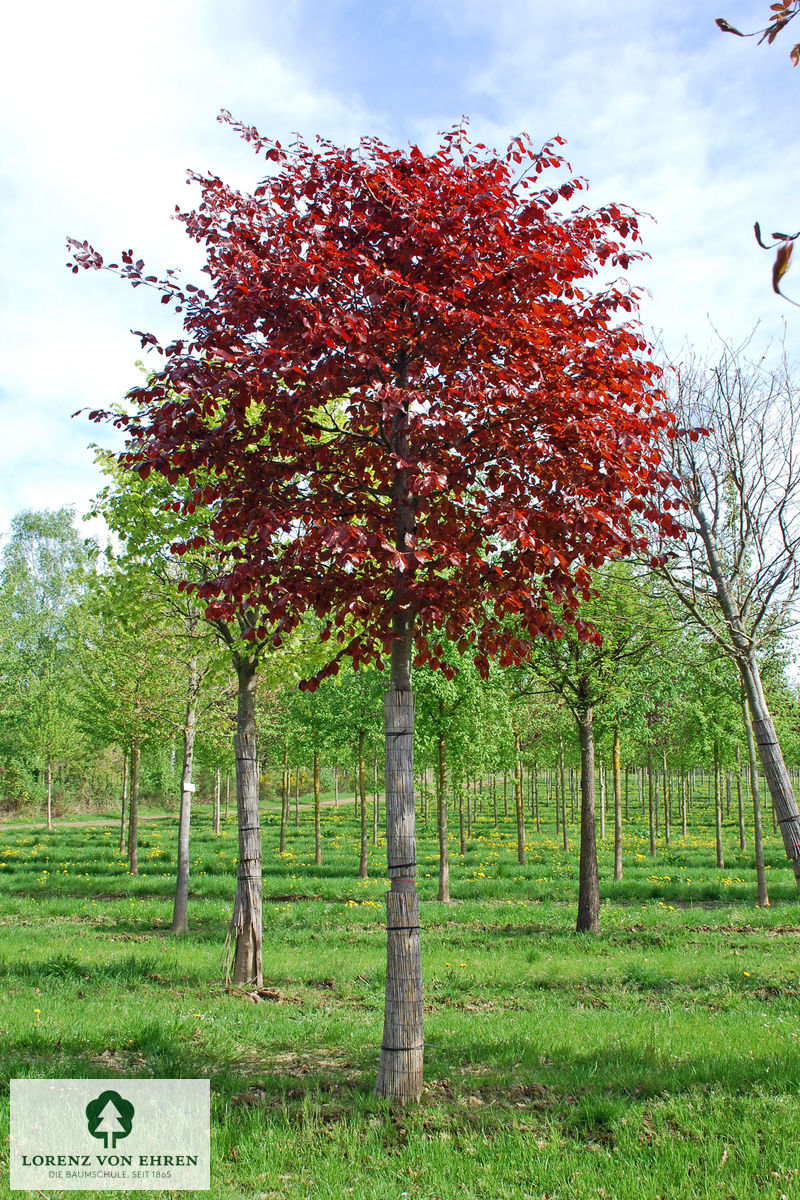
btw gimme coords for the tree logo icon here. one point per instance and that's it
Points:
(109, 1117)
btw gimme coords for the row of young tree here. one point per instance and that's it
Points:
(99, 662)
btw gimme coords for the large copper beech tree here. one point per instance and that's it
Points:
(412, 415)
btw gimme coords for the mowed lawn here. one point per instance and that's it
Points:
(660, 1059)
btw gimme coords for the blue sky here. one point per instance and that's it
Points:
(103, 109)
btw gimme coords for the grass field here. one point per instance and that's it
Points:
(661, 1059)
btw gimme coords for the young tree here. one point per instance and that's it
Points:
(410, 408)
(737, 570)
(586, 675)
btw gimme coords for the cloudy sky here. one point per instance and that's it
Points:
(103, 108)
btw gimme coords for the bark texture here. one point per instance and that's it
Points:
(133, 810)
(245, 929)
(589, 884)
(400, 1067)
(519, 802)
(441, 817)
(180, 911)
(124, 803)
(617, 781)
(317, 830)
(362, 792)
(775, 772)
(758, 835)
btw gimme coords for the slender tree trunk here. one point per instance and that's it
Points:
(684, 803)
(564, 838)
(505, 793)
(284, 797)
(124, 802)
(589, 884)
(297, 796)
(133, 810)
(784, 805)
(441, 815)
(665, 798)
(740, 798)
(228, 792)
(362, 795)
(651, 801)
(217, 800)
(558, 799)
(400, 1067)
(462, 841)
(376, 805)
(755, 790)
(494, 799)
(519, 802)
(246, 922)
(317, 830)
(49, 770)
(536, 796)
(617, 784)
(602, 774)
(180, 911)
(718, 806)
(336, 787)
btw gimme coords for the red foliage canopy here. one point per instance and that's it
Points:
(399, 393)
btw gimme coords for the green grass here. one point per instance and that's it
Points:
(661, 1059)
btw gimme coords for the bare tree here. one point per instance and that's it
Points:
(738, 570)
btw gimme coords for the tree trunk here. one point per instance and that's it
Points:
(564, 838)
(246, 921)
(217, 800)
(665, 798)
(519, 802)
(317, 830)
(558, 799)
(758, 836)
(740, 798)
(361, 783)
(602, 776)
(49, 794)
(133, 810)
(651, 801)
(124, 802)
(462, 841)
(336, 787)
(718, 806)
(536, 795)
(400, 1067)
(684, 802)
(376, 804)
(617, 782)
(297, 796)
(180, 919)
(589, 884)
(284, 798)
(780, 787)
(227, 792)
(441, 816)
